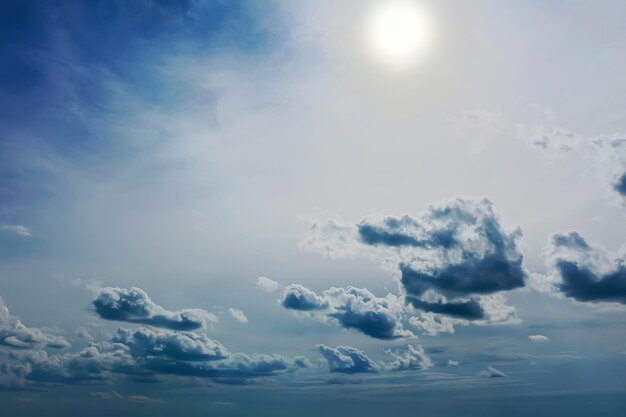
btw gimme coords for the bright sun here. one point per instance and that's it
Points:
(398, 32)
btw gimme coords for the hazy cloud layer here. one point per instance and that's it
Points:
(135, 306)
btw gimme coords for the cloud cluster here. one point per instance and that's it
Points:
(414, 357)
(15, 334)
(353, 308)
(583, 272)
(135, 306)
(455, 261)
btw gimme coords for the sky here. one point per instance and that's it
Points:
(269, 208)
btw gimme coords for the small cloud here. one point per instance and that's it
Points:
(223, 403)
(452, 362)
(492, 372)
(538, 338)
(18, 229)
(238, 315)
(142, 399)
(267, 285)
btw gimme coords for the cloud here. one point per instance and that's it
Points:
(359, 309)
(478, 126)
(297, 297)
(15, 334)
(583, 272)
(455, 260)
(134, 306)
(452, 362)
(347, 360)
(268, 285)
(187, 346)
(353, 308)
(492, 372)
(414, 357)
(114, 395)
(238, 315)
(538, 338)
(18, 229)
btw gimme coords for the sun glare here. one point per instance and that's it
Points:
(398, 32)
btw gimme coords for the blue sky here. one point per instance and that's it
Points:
(238, 208)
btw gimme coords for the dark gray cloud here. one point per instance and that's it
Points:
(189, 346)
(477, 256)
(15, 334)
(347, 360)
(584, 272)
(135, 306)
(467, 310)
(359, 309)
(620, 184)
(297, 297)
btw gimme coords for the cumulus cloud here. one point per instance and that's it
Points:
(15, 334)
(143, 354)
(17, 229)
(187, 346)
(297, 297)
(454, 261)
(414, 357)
(492, 372)
(134, 306)
(583, 272)
(452, 362)
(538, 338)
(359, 309)
(347, 360)
(353, 308)
(268, 285)
(238, 315)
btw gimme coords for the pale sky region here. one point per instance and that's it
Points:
(312, 207)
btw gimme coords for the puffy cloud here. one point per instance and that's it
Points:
(452, 362)
(538, 338)
(268, 285)
(347, 360)
(188, 346)
(583, 272)
(352, 308)
(414, 357)
(359, 309)
(492, 372)
(455, 260)
(15, 334)
(238, 315)
(297, 297)
(134, 306)
(18, 229)
(466, 252)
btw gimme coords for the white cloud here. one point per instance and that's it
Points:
(238, 315)
(538, 338)
(18, 229)
(268, 285)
